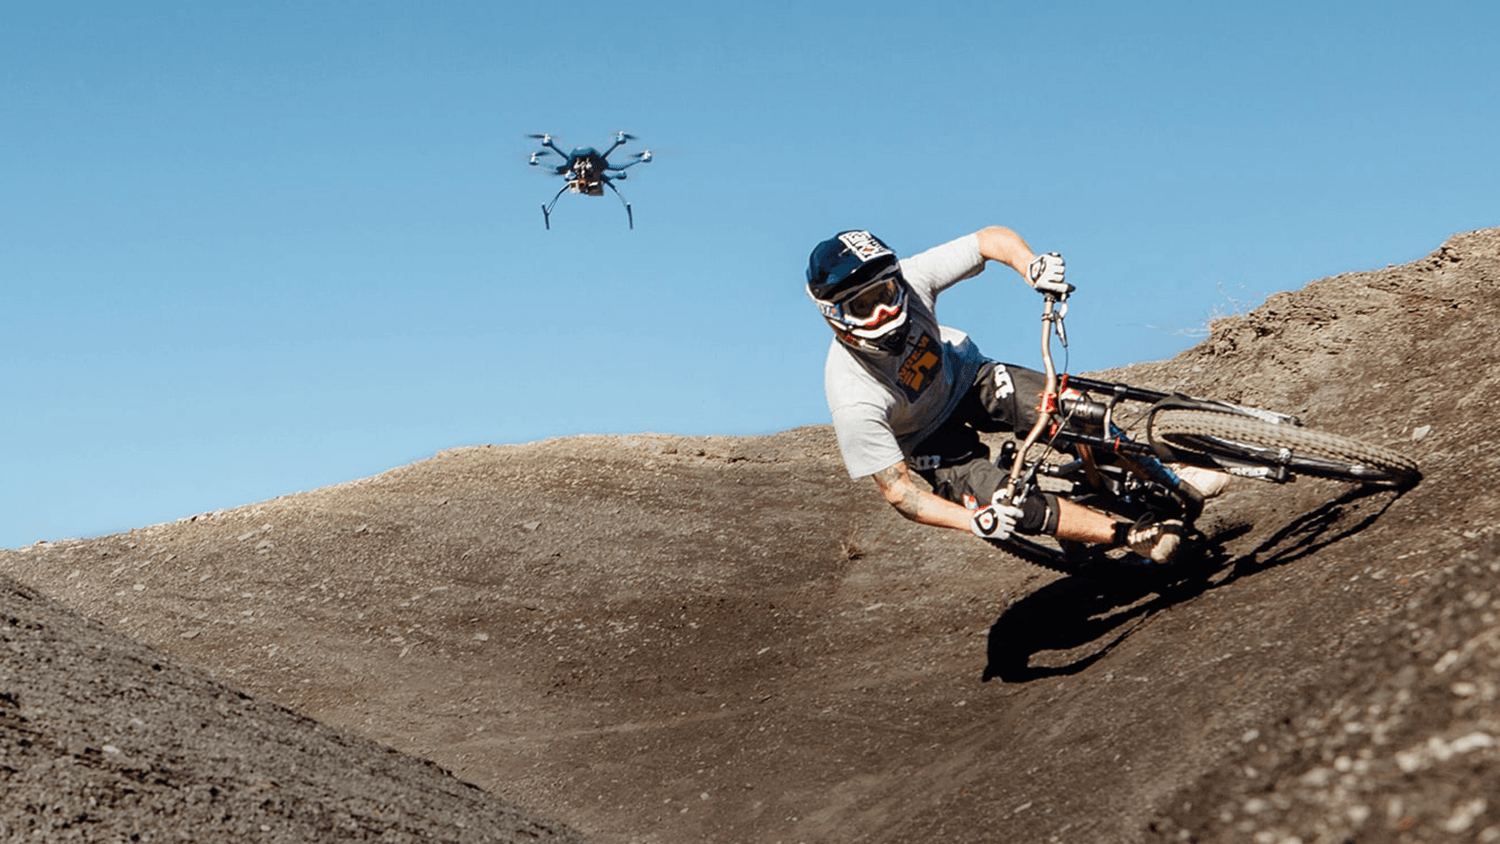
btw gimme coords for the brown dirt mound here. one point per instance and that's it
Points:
(662, 639)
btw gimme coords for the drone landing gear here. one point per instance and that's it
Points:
(547, 209)
(629, 215)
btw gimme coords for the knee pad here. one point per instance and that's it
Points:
(1038, 515)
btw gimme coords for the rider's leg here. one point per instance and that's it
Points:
(1081, 524)
(955, 462)
(1048, 514)
(1007, 394)
(1007, 397)
(1156, 541)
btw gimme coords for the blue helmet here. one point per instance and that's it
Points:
(856, 281)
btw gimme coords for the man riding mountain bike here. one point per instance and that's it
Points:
(907, 394)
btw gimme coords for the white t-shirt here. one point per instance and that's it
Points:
(882, 405)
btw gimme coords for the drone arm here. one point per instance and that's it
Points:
(640, 157)
(555, 169)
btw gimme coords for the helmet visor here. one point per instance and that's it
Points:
(868, 300)
(871, 305)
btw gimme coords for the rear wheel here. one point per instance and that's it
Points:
(1302, 451)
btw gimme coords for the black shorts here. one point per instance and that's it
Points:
(957, 464)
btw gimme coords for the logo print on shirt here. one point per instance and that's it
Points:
(916, 370)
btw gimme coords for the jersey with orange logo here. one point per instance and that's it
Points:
(882, 405)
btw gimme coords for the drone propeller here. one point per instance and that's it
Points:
(622, 137)
(546, 139)
(546, 163)
(643, 155)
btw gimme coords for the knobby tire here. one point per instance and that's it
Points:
(1303, 451)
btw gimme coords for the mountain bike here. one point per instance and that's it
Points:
(1112, 447)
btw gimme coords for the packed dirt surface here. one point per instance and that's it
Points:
(663, 639)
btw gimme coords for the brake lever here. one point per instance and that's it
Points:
(1060, 313)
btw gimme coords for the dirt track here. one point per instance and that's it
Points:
(751, 648)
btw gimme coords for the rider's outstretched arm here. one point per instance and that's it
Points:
(918, 504)
(911, 500)
(998, 243)
(1044, 272)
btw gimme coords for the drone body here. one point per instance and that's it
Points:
(586, 171)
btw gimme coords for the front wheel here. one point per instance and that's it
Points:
(1302, 451)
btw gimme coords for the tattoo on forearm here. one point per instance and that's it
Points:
(910, 501)
(910, 505)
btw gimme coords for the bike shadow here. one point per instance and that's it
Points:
(1079, 619)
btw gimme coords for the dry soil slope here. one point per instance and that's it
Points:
(664, 639)
(1399, 738)
(103, 739)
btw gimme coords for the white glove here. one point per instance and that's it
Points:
(1046, 274)
(995, 521)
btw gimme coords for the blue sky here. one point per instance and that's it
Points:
(250, 249)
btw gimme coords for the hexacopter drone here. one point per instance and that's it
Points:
(587, 171)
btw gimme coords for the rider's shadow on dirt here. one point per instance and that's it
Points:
(1077, 620)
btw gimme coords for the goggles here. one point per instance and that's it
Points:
(869, 306)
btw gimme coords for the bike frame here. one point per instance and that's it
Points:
(1088, 426)
(1131, 479)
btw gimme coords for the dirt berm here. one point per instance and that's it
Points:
(667, 639)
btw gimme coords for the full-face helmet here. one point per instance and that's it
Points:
(856, 281)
